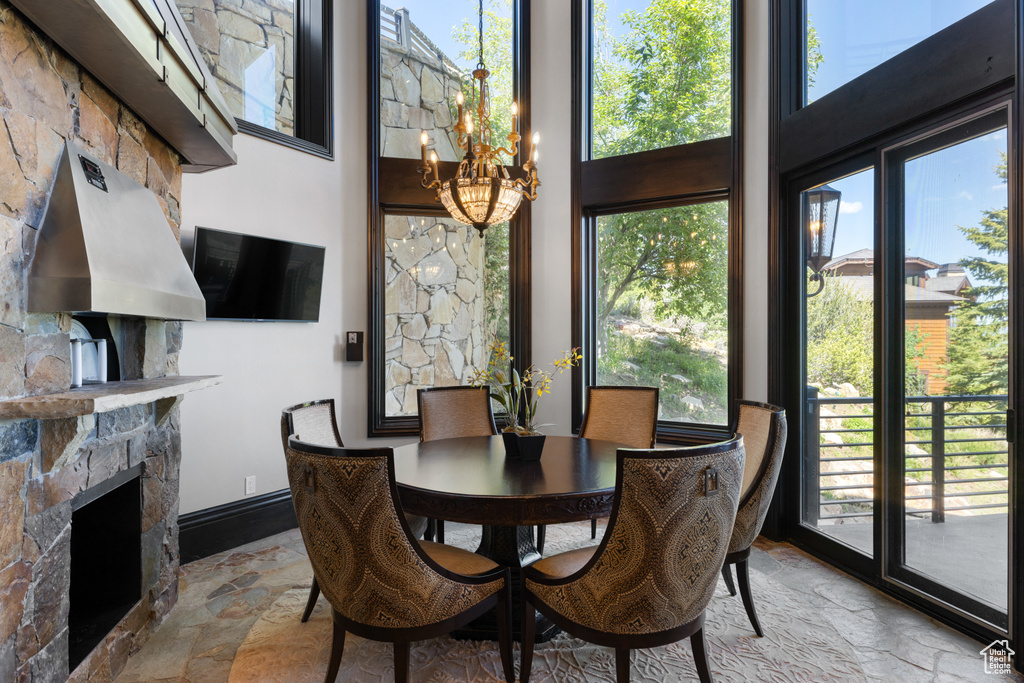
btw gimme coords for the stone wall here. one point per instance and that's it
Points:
(232, 34)
(434, 307)
(46, 98)
(434, 311)
(417, 91)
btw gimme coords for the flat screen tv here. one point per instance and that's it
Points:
(245, 277)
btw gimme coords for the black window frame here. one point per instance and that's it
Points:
(394, 188)
(314, 84)
(698, 172)
(928, 86)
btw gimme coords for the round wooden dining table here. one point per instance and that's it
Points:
(470, 480)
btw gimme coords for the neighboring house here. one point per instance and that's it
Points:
(929, 299)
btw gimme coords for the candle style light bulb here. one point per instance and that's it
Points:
(423, 138)
(459, 98)
(423, 147)
(515, 109)
(469, 125)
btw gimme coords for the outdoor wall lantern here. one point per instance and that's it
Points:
(821, 214)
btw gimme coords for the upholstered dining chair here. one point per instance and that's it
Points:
(763, 428)
(382, 584)
(652, 576)
(451, 412)
(626, 415)
(315, 422)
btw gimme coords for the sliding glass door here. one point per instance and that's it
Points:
(905, 466)
(946, 214)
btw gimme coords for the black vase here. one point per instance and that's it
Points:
(519, 447)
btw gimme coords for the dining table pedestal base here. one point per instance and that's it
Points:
(512, 547)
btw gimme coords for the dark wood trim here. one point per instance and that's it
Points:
(375, 336)
(684, 170)
(394, 188)
(1015, 186)
(280, 138)
(579, 139)
(206, 532)
(314, 122)
(734, 314)
(520, 242)
(938, 72)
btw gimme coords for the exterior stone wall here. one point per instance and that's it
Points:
(46, 98)
(434, 311)
(232, 34)
(418, 85)
(434, 307)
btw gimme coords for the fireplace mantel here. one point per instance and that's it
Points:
(102, 398)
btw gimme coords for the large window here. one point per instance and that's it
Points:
(271, 62)
(657, 201)
(895, 359)
(440, 292)
(661, 73)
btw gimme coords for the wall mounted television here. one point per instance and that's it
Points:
(245, 277)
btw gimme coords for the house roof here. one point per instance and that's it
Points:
(865, 284)
(867, 257)
(950, 284)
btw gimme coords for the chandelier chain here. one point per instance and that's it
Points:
(480, 34)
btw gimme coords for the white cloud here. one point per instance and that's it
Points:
(850, 207)
(965, 195)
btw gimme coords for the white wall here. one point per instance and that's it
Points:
(232, 431)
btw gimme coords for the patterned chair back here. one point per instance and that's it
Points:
(450, 412)
(367, 566)
(626, 415)
(312, 422)
(658, 564)
(763, 428)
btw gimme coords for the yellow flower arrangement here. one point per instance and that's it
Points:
(520, 393)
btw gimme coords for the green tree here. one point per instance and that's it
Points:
(978, 358)
(666, 82)
(840, 325)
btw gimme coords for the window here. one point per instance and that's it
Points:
(440, 292)
(271, 62)
(661, 73)
(657, 203)
(662, 286)
(845, 38)
(898, 377)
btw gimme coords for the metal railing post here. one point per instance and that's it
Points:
(938, 460)
(812, 456)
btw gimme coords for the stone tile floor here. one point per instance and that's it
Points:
(222, 597)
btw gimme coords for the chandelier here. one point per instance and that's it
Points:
(481, 193)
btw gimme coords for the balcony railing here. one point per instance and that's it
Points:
(946, 436)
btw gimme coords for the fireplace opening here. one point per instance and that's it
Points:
(106, 560)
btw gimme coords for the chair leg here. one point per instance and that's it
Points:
(727, 576)
(440, 531)
(505, 630)
(700, 657)
(593, 527)
(622, 665)
(529, 634)
(401, 662)
(743, 574)
(337, 648)
(314, 593)
(541, 534)
(428, 533)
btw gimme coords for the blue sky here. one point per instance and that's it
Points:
(857, 35)
(949, 188)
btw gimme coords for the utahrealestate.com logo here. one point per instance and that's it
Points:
(998, 658)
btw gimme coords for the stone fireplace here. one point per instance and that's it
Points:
(49, 466)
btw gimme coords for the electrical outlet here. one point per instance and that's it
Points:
(250, 485)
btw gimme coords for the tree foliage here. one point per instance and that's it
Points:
(840, 334)
(978, 358)
(665, 82)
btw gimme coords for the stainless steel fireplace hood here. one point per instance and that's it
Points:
(105, 246)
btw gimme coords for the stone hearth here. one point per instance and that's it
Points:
(45, 99)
